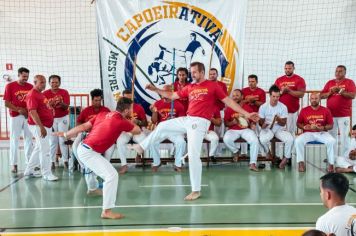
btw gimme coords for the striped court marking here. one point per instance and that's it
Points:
(168, 205)
(317, 167)
(169, 185)
(20, 176)
(177, 231)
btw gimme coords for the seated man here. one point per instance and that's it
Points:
(315, 121)
(237, 129)
(273, 123)
(348, 164)
(212, 136)
(162, 111)
(138, 117)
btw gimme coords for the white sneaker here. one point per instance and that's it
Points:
(50, 177)
(34, 174)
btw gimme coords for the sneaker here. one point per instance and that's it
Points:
(50, 177)
(34, 174)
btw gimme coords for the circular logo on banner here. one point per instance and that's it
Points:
(177, 34)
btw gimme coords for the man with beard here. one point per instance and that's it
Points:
(315, 121)
(273, 123)
(59, 100)
(203, 95)
(253, 95)
(292, 88)
(339, 93)
(40, 123)
(14, 97)
(180, 83)
(237, 129)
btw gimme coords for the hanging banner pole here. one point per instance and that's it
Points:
(133, 83)
(173, 72)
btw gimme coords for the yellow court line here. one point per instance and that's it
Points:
(173, 232)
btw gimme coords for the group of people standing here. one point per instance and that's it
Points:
(38, 112)
(198, 108)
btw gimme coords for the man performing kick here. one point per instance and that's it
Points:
(105, 128)
(203, 95)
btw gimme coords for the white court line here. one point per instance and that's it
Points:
(169, 205)
(169, 185)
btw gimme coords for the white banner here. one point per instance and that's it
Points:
(166, 35)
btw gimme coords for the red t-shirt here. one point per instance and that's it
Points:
(89, 112)
(295, 83)
(178, 87)
(230, 114)
(219, 103)
(16, 95)
(321, 116)
(216, 116)
(338, 104)
(54, 99)
(35, 100)
(202, 98)
(107, 127)
(258, 94)
(139, 112)
(164, 109)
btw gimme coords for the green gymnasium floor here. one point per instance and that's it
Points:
(235, 201)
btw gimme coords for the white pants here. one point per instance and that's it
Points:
(122, 142)
(179, 146)
(266, 135)
(17, 124)
(213, 138)
(195, 128)
(322, 137)
(292, 123)
(341, 124)
(59, 125)
(41, 152)
(103, 168)
(90, 177)
(247, 134)
(344, 162)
